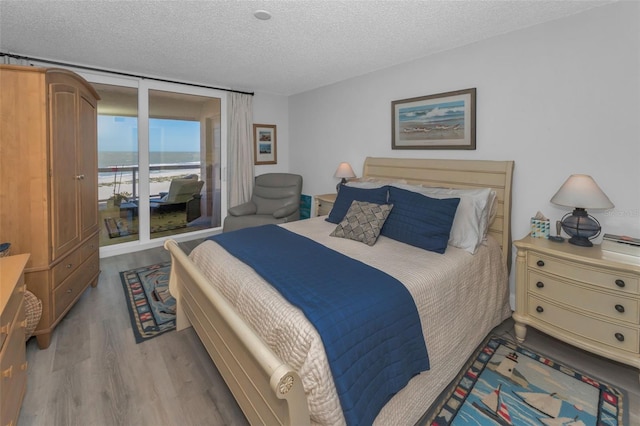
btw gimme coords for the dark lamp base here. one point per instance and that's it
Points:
(581, 227)
(581, 241)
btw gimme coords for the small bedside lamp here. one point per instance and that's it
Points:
(344, 171)
(581, 192)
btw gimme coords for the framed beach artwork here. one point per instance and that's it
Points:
(441, 121)
(265, 144)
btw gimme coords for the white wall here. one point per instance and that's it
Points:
(557, 98)
(274, 109)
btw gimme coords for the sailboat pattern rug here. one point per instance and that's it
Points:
(152, 309)
(506, 384)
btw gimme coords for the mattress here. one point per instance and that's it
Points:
(460, 297)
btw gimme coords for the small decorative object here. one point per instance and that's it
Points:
(5, 249)
(540, 226)
(33, 312)
(581, 192)
(264, 144)
(343, 171)
(442, 121)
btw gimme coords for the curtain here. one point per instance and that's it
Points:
(240, 149)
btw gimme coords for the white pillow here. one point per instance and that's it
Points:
(475, 213)
(372, 183)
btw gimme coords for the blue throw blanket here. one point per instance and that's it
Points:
(367, 320)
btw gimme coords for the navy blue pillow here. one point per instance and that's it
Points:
(419, 220)
(348, 194)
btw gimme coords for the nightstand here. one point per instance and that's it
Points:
(580, 295)
(324, 203)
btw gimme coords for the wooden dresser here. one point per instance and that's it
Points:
(48, 184)
(580, 295)
(13, 360)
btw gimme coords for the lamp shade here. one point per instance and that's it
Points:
(583, 192)
(344, 171)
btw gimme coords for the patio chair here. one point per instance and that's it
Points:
(181, 192)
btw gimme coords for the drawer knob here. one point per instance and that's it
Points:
(69, 265)
(69, 291)
(540, 263)
(540, 309)
(620, 337)
(620, 308)
(6, 374)
(620, 283)
(540, 284)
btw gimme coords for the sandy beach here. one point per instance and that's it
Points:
(159, 182)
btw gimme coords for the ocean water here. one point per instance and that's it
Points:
(128, 158)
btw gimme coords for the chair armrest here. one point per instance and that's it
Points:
(243, 209)
(285, 211)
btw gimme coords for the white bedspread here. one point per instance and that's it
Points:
(460, 298)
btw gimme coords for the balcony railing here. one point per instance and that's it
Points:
(124, 178)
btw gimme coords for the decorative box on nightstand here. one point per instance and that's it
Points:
(324, 203)
(580, 295)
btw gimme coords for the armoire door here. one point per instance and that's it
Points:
(87, 166)
(64, 196)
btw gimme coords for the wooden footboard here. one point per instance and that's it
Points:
(267, 390)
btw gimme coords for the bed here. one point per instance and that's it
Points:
(279, 375)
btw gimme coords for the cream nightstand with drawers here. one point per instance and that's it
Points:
(580, 295)
(324, 203)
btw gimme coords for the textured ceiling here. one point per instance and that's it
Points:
(306, 44)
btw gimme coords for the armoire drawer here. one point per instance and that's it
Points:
(66, 267)
(623, 337)
(69, 290)
(90, 247)
(618, 306)
(578, 272)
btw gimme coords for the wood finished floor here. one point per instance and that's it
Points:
(95, 374)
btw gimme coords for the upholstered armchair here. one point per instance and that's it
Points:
(275, 199)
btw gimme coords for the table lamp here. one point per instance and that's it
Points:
(344, 171)
(581, 192)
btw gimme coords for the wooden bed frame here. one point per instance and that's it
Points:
(267, 390)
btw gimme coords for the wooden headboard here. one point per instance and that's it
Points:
(455, 174)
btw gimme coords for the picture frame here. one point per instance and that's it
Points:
(441, 121)
(265, 145)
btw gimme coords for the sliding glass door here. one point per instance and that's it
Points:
(160, 157)
(184, 163)
(118, 171)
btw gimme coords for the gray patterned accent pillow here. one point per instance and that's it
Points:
(363, 222)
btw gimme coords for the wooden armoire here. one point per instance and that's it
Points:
(48, 184)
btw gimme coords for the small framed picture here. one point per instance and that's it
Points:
(265, 144)
(441, 121)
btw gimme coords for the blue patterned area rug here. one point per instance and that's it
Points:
(152, 309)
(506, 384)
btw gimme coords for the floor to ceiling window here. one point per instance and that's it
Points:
(184, 158)
(159, 156)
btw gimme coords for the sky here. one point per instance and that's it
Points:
(121, 134)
